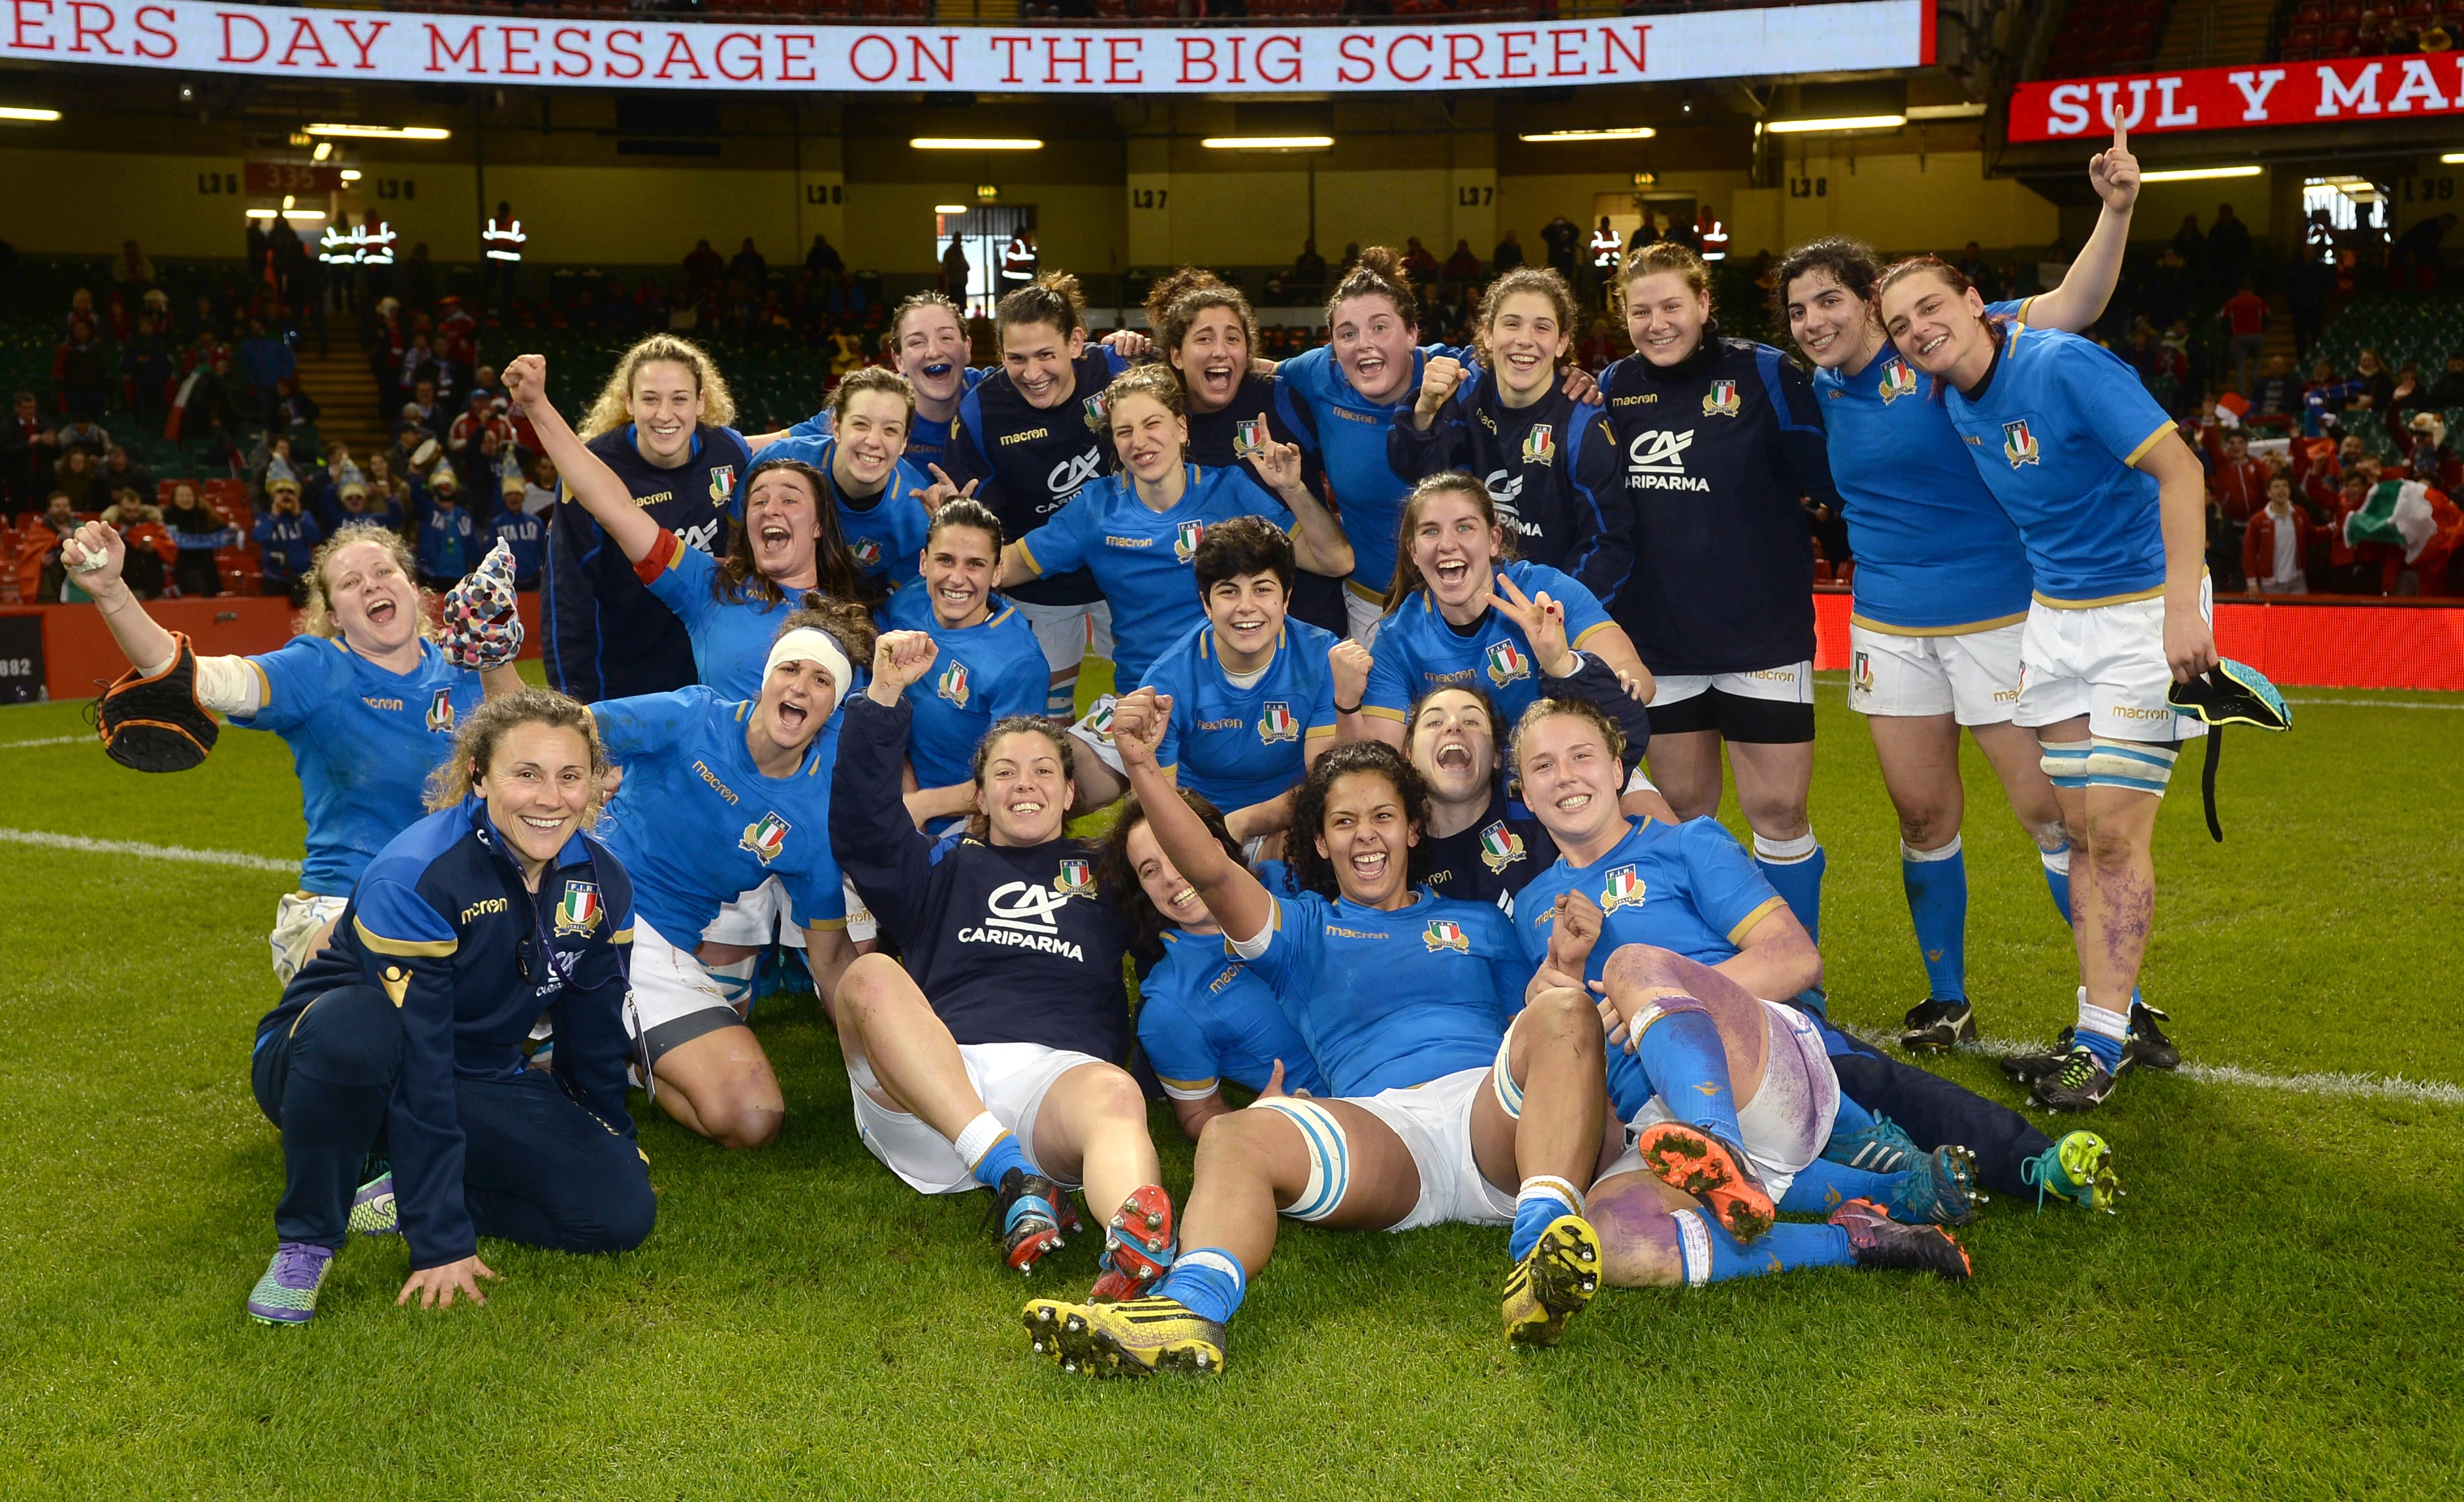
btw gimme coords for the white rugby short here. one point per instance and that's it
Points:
(1069, 632)
(1970, 675)
(1790, 684)
(1093, 733)
(296, 918)
(674, 998)
(1011, 1078)
(1434, 1121)
(1362, 613)
(767, 912)
(1790, 1117)
(2107, 663)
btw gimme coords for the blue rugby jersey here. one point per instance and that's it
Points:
(698, 823)
(1419, 650)
(1009, 944)
(364, 741)
(1141, 558)
(606, 636)
(927, 439)
(1222, 439)
(1689, 888)
(1553, 469)
(731, 638)
(1493, 858)
(2055, 428)
(1936, 553)
(1387, 1000)
(1243, 746)
(1313, 394)
(1029, 461)
(1203, 1019)
(985, 672)
(442, 921)
(885, 533)
(1720, 448)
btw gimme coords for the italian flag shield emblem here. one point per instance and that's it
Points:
(578, 912)
(1444, 934)
(765, 839)
(1076, 877)
(1623, 890)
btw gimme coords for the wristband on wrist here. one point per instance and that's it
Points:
(1347, 709)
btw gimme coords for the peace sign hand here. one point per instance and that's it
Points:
(943, 491)
(1278, 465)
(2115, 172)
(1542, 621)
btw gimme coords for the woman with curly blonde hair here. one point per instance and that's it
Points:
(364, 697)
(664, 424)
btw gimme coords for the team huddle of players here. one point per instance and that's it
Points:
(1394, 627)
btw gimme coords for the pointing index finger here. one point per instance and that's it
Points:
(2121, 135)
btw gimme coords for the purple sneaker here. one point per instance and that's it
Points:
(287, 1293)
(372, 1211)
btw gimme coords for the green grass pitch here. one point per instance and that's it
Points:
(2274, 1312)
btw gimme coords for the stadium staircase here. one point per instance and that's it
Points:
(346, 400)
(2204, 34)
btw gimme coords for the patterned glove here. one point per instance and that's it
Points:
(482, 629)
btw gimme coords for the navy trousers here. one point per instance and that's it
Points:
(536, 1166)
(1935, 1111)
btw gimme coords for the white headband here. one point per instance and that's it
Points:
(805, 644)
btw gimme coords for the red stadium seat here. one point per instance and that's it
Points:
(2301, 37)
(2345, 9)
(2310, 12)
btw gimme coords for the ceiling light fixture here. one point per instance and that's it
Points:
(976, 143)
(2195, 174)
(383, 132)
(1606, 133)
(1267, 142)
(1787, 128)
(1945, 111)
(18, 112)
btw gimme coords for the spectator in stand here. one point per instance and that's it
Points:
(1419, 265)
(28, 448)
(150, 548)
(286, 539)
(704, 266)
(2191, 243)
(198, 531)
(2428, 452)
(1564, 239)
(2237, 482)
(429, 411)
(1461, 267)
(417, 366)
(2353, 568)
(539, 496)
(132, 271)
(414, 280)
(2277, 394)
(2276, 548)
(80, 311)
(81, 479)
(749, 266)
(357, 503)
(81, 372)
(2378, 385)
(84, 434)
(39, 550)
(1971, 265)
(449, 538)
(478, 419)
(121, 471)
(2228, 248)
(2245, 319)
(294, 414)
(266, 360)
(2447, 392)
(521, 531)
(1308, 269)
(1507, 256)
(2307, 290)
(1598, 347)
(146, 365)
(823, 259)
(2324, 398)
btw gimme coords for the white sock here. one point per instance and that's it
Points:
(976, 1138)
(1786, 852)
(2057, 861)
(1548, 1187)
(1918, 856)
(2096, 1019)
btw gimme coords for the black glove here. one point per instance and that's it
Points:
(156, 723)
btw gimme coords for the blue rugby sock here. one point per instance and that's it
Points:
(1936, 881)
(2101, 1032)
(1545, 1197)
(1687, 1065)
(1851, 1117)
(1794, 867)
(2057, 877)
(991, 1151)
(1207, 1282)
(1821, 1186)
(1788, 1245)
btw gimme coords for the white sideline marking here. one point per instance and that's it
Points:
(48, 740)
(2331, 1083)
(131, 847)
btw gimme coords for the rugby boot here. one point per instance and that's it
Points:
(1553, 1282)
(1713, 1170)
(1883, 1147)
(287, 1293)
(1030, 1227)
(1138, 1246)
(1879, 1241)
(372, 1208)
(2147, 1047)
(2079, 1168)
(2030, 1067)
(1137, 1338)
(2081, 1084)
(1939, 1189)
(1938, 1026)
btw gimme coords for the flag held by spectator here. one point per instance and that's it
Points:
(2397, 513)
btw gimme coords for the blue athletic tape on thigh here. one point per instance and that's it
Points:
(2066, 762)
(2130, 764)
(1501, 1079)
(1329, 1155)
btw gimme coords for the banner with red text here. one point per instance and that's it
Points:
(337, 46)
(2257, 96)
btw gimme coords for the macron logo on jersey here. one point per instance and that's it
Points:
(1656, 461)
(1022, 916)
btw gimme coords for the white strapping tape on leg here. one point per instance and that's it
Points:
(1693, 1246)
(2134, 765)
(1329, 1155)
(1501, 1079)
(2065, 762)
